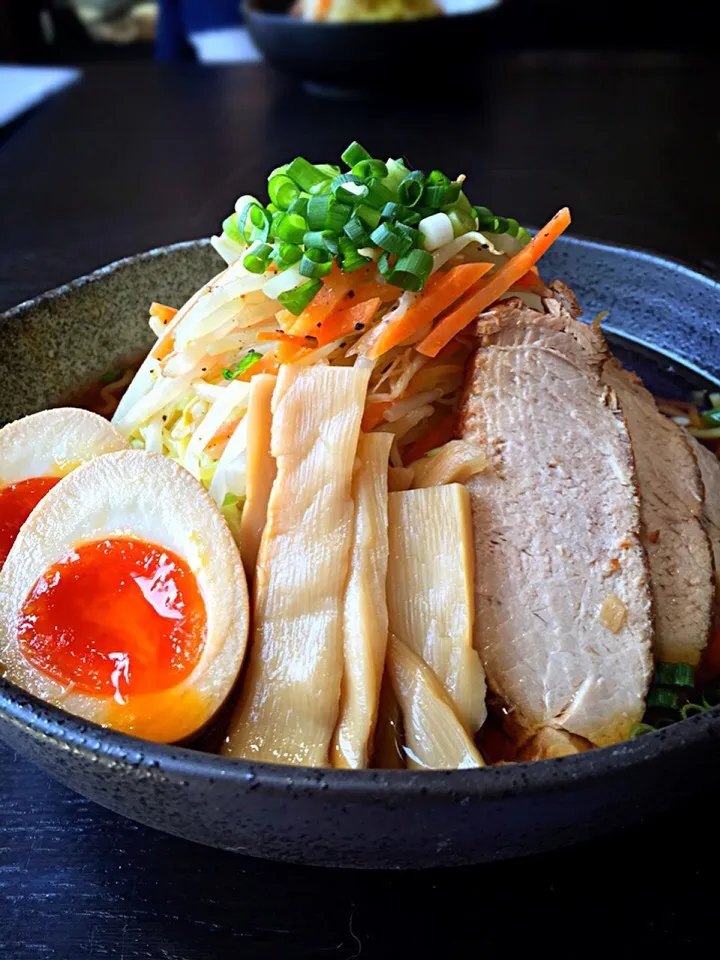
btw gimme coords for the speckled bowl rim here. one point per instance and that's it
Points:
(49, 723)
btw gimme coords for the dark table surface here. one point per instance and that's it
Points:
(138, 156)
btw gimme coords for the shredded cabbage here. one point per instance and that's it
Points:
(182, 405)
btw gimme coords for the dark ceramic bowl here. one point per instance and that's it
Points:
(366, 57)
(660, 312)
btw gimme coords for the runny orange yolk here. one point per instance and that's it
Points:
(17, 502)
(115, 618)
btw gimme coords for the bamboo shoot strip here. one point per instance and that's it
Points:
(290, 698)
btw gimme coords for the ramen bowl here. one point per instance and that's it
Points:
(366, 57)
(663, 322)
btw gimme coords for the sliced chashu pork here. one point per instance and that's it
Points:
(557, 528)
(710, 517)
(710, 473)
(671, 504)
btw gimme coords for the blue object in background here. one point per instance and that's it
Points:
(182, 22)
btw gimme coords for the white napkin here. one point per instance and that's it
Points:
(23, 87)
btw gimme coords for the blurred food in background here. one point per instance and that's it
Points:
(344, 11)
(348, 11)
(118, 21)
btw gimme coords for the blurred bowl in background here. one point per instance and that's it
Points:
(370, 56)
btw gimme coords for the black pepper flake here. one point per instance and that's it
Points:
(351, 293)
(164, 416)
(359, 326)
(318, 324)
(204, 370)
(343, 344)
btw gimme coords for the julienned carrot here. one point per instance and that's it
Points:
(285, 319)
(163, 313)
(223, 433)
(267, 364)
(435, 437)
(443, 293)
(495, 286)
(281, 337)
(335, 286)
(290, 351)
(369, 289)
(374, 414)
(342, 322)
(530, 281)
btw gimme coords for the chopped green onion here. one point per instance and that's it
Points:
(410, 189)
(396, 172)
(641, 728)
(690, 710)
(231, 500)
(277, 219)
(348, 188)
(389, 237)
(398, 211)
(434, 196)
(231, 227)
(674, 674)
(292, 228)
(485, 217)
(365, 169)
(305, 174)
(350, 258)
(513, 227)
(299, 206)
(325, 186)
(407, 231)
(436, 178)
(254, 222)
(110, 376)
(499, 225)
(384, 266)
(377, 194)
(664, 697)
(356, 232)
(282, 191)
(452, 195)
(355, 153)
(251, 357)
(711, 418)
(393, 211)
(298, 298)
(461, 221)
(324, 240)
(329, 169)
(258, 257)
(287, 254)
(315, 263)
(325, 213)
(368, 214)
(412, 270)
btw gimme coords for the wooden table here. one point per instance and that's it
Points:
(135, 157)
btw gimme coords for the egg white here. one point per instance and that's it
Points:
(142, 495)
(54, 442)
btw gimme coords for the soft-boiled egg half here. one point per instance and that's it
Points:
(38, 451)
(123, 599)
